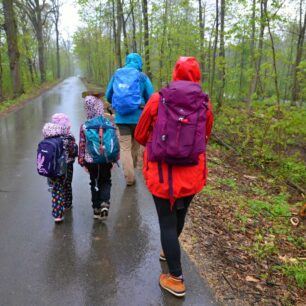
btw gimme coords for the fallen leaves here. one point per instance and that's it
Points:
(252, 279)
(226, 234)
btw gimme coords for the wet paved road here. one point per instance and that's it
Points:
(79, 262)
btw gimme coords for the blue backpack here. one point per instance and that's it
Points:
(51, 161)
(127, 94)
(101, 140)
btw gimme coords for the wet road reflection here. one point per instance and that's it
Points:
(79, 262)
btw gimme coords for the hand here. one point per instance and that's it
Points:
(86, 170)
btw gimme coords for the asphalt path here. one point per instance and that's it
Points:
(81, 261)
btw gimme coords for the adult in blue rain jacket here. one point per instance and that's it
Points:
(128, 91)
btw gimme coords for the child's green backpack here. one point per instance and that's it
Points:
(101, 140)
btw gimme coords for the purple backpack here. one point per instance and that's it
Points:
(51, 161)
(179, 132)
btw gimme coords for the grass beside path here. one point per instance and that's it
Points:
(239, 234)
(35, 91)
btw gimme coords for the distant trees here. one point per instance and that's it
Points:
(29, 52)
(243, 46)
(10, 28)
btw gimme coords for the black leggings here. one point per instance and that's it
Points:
(171, 222)
(100, 183)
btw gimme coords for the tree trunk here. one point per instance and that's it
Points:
(162, 45)
(118, 34)
(215, 49)
(241, 67)
(28, 59)
(56, 14)
(10, 27)
(146, 37)
(1, 69)
(34, 9)
(298, 58)
(202, 34)
(252, 46)
(41, 54)
(209, 74)
(134, 43)
(289, 74)
(222, 57)
(274, 65)
(126, 45)
(254, 82)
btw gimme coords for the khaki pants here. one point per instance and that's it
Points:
(128, 155)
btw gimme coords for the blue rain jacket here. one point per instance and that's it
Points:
(133, 60)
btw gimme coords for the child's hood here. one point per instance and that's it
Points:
(62, 120)
(52, 130)
(93, 107)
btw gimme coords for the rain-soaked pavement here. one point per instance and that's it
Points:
(81, 261)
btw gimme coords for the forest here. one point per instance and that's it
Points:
(32, 50)
(252, 55)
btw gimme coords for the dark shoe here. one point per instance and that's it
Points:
(104, 210)
(172, 284)
(67, 208)
(97, 213)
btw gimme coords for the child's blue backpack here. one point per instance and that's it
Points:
(51, 161)
(127, 94)
(101, 140)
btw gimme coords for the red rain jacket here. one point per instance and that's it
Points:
(187, 180)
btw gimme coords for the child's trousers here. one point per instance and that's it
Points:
(100, 183)
(58, 196)
(68, 185)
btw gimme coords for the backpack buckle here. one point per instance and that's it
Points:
(183, 120)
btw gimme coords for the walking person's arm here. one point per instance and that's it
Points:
(143, 128)
(148, 89)
(109, 91)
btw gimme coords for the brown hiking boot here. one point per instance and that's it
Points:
(162, 256)
(172, 284)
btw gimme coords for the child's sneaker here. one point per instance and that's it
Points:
(104, 210)
(58, 219)
(162, 256)
(97, 214)
(67, 208)
(172, 284)
(50, 185)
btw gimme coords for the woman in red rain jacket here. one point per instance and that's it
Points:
(186, 181)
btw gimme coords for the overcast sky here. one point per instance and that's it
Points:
(69, 18)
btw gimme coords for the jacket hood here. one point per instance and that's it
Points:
(93, 107)
(52, 130)
(63, 120)
(187, 69)
(133, 60)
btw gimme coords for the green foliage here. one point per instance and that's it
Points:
(24, 97)
(263, 246)
(299, 242)
(208, 190)
(228, 182)
(278, 208)
(295, 271)
(301, 76)
(273, 139)
(259, 191)
(257, 207)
